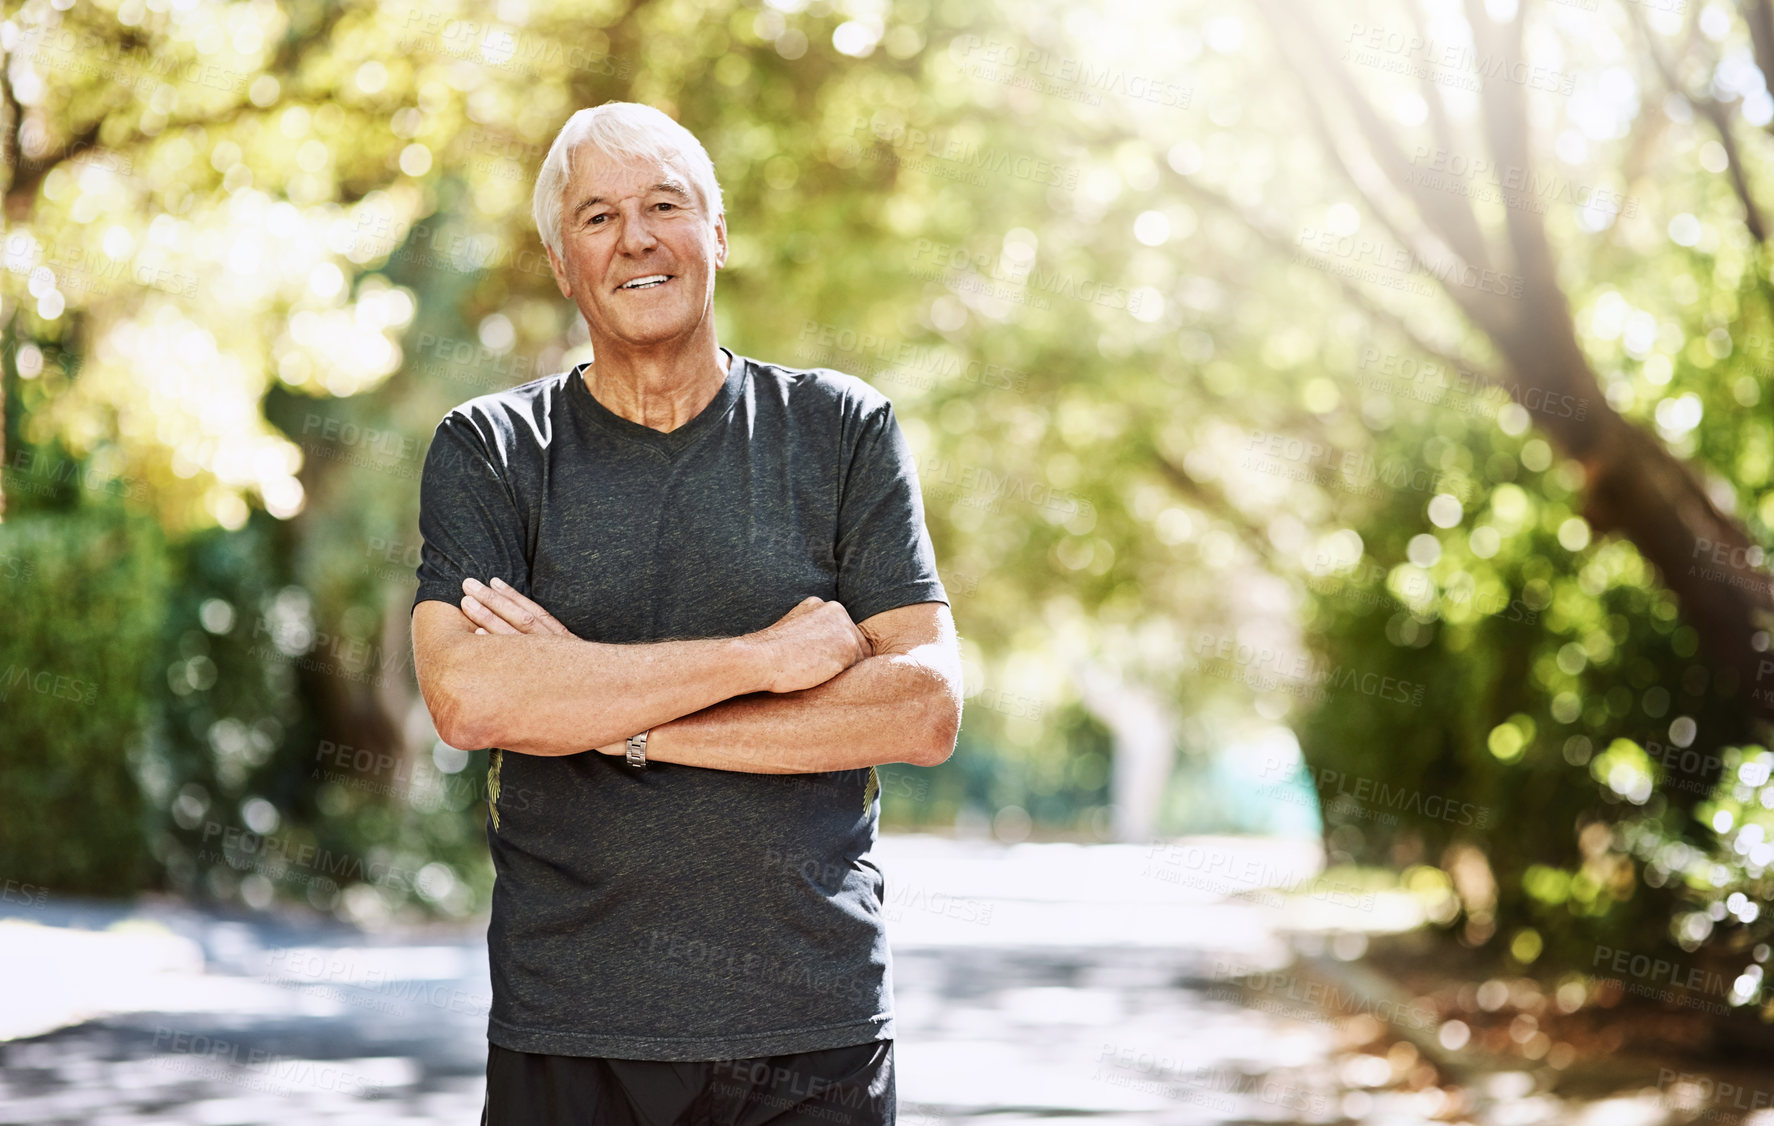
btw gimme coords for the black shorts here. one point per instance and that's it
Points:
(850, 1086)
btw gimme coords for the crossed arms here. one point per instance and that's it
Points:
(812, 692)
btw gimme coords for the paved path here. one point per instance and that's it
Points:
(1032, 982)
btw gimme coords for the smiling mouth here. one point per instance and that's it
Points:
(651, 281)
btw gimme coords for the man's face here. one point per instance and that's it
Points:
(624, 221)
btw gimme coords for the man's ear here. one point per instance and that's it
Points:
(720, 240)
(560, 272)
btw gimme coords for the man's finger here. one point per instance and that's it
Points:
(530, 606)
(490, 622)
(501, 604)
(505, 608)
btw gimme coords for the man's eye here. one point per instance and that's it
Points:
(667, 206)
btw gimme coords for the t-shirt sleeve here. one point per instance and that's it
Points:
(469, 520)
(885, 558)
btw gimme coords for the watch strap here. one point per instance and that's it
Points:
(637, 749)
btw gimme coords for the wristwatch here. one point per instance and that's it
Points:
(637, 749)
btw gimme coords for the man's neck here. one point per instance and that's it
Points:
(658, 392)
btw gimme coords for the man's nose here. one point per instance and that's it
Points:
(637, 232)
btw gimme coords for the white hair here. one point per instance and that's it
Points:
(621, 130)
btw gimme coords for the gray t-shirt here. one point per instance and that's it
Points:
(676, 912)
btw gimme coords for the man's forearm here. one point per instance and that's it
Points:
(560, 695)
(890, 708)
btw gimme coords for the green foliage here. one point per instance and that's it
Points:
(1063, 786)
(256, 796)
(84, 593)
(1560, 698)
(1721, 886)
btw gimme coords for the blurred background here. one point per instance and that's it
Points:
(1345, 432)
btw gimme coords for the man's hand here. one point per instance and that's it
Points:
(809, 645)
(501, 609)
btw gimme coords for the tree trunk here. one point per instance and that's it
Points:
(1634, 486)
(1145, 749)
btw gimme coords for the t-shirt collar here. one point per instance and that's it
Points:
(671, 442)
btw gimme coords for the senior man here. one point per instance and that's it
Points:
(688, 599)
